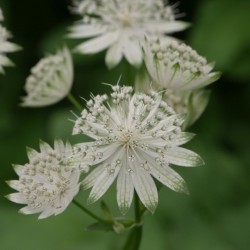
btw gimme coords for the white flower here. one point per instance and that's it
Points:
(136, 137)
(121, 25)
(48, 183)
(50, 80)
(5, 46)
(174, 65)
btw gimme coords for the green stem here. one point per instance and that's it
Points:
(73, 100)
(134, 239)
(89, 212)
(129, 74)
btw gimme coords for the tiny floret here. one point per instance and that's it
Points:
(120, 26)
(174, 65)
(5, 46)
(50, 80)
(49, 182)
(136, 137)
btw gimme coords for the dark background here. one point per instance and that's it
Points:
(216, 216)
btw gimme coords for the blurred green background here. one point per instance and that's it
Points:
(216, 216)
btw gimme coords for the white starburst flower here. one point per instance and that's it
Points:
(48, 183)
(6, 47)
(121, 25)
(136, 137)
(50, 80)
(174, 65)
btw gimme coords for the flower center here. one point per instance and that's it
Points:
(126, 20)
(127, 138)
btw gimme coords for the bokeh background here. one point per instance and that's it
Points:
(216, 216)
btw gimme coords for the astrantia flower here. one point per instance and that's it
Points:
(5, 46)
(174, 65)
(120, 26)
(136, 137)
(50, 80)
(48, 183)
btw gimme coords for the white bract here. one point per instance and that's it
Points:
(174, 65)
(121, 25)
(48, 183)
(136, 137)
(193, 103)
(5, 46)
(190, 102)
(50, 80)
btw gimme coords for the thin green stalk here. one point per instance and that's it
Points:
(73, 100)
(129, 74)
(134, 239)
(90, 213)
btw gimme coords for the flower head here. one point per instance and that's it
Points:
(48, 183)
(121, 25)
(174, 65)
(50, 80)
(136, 137)
(5, 46)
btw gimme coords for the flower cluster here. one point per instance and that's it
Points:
(136, 137)
(121, 26)
(5, 46)
(49, 182)
(174, 65)
(50, 80)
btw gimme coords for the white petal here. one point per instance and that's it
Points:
(145, 188)
(165, 174)
(31, 153)
(89, 181)
(183, 157)
(113, 55)
(180, 138)
(5, 61)
(101, 185)
(198, 103)
(59, 146)
(125, 191)
(15, 185)
(46, 213)
(169, 178)
(201, 82)
(18, 169)
(86, 31)
(17, 198)
(133, 53)
(167, 27)
(97, 44)
(28, 210)
(45, 147)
